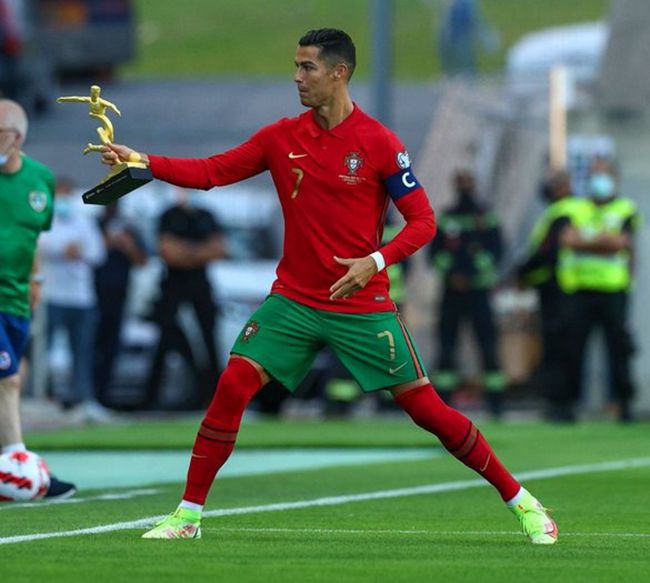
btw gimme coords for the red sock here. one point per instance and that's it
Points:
(216, 437)
(459, 436)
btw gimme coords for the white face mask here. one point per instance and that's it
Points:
(63, 208)
(602, 186)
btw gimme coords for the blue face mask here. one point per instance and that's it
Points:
(602, 186)
(63, 208)
(4, 158)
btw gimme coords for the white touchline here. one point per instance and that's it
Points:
(337, 500)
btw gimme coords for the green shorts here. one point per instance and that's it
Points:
(284, 337)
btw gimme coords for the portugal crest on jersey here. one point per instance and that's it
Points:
(37, 200)
(353, 161)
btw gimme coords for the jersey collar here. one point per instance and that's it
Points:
(341, 131)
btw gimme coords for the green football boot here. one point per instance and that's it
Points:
(535, 521)
(182, 523)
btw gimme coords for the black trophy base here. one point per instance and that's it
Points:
(116, 186)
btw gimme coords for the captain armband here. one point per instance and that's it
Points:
(401, 183)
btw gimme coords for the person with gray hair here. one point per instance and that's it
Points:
(27, 200)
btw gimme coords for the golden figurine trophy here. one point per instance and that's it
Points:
(123, 177)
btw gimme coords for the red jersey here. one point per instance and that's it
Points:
(334, 187)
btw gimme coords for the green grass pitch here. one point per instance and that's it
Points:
(453, 535)
(258, 37)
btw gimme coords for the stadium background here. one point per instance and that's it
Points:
(201, 80)
(204, 67)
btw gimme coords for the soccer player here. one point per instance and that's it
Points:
(336, 170)
(26, 199)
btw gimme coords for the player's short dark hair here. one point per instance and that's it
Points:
(335, 46)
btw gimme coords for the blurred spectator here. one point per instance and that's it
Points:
(124, 249)
(11, 47)
(69, 253)
(466, 252)
(538, 270)
(26, 72)
(595, 269)
(463, 33)
(189, 240)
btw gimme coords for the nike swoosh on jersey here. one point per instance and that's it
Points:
(394, 370)
(293, 156)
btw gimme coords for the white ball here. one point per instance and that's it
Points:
(23, 476)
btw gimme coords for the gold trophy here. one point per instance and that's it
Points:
(123, 177)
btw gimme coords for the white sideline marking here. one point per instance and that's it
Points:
(80, 500)
(414, 532)
(337, 500)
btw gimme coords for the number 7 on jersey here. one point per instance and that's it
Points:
(299, 174)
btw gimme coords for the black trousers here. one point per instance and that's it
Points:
(554, 328)
(197, 294)
(474, 306)
(585, 311)
(110, 308)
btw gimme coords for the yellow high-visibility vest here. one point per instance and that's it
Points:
(579, 270)
(570, 207)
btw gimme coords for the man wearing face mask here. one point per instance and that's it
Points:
(27, 201)
(69, 253)
(466, 252)
(595, 269)
(538, 270)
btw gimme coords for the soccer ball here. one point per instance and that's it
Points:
(23, 476)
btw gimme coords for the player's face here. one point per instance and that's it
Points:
(316, 80)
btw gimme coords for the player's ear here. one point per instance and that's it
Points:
(340, 71)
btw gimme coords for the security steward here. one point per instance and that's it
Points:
(466, 252)
(595, 270)
(538, 270)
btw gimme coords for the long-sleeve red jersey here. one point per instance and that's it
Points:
(334, 187)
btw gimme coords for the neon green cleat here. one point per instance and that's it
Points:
(182, 523)
(535, 521)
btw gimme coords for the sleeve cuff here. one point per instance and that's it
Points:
(379, 260)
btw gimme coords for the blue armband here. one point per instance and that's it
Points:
(401, 183)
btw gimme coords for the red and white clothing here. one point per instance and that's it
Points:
(334, 187)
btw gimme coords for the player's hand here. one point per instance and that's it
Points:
(115, 153)
(361, 269)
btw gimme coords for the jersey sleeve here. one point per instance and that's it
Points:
(410, 199)
(243, 161)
